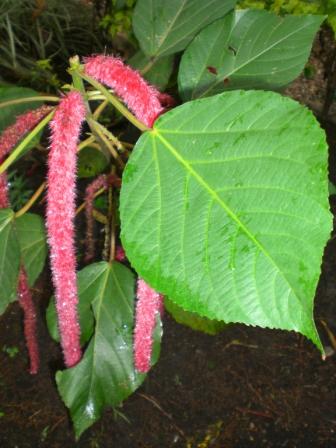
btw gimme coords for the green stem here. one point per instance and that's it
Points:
(29, 99)
(21, 147)
(28, 205)
(86, 142)
(100, 109)
(77, 80)
(116, 142)
(116, 103)
(31, 201)
(97, 128)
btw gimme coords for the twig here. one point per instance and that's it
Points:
(169, 416)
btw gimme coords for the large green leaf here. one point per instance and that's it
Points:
(9, 259)
(247, 49)
(105, 376)
(157, 72)
(164, 27)
(8, 113)
(32, 238)
(224, 209)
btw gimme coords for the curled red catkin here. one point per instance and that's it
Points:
(91, 190)
(9, 138)
(65, 132)
(102, 181)
(27, 304)
(149, 305)
(141, 98)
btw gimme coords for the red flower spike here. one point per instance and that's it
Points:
(11, 136)
(27, 304)
(141, 98)
(166, 100)
(120, 254)
(23, 124)
(65, 132)
(149, 304)
(4, 200)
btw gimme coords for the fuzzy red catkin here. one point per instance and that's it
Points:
(120, 254)
(4, 200)
(11, 136)
(23, 124)
(27, 304)
(91, 189)
(141, 98)
(102, 181)
(65, 132)
(149, 305)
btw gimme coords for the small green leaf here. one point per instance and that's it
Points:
(88, 280)
(193, 320)
(248, 49)
(8, 113)
(165, 27)
(332, 189)
(32, 239)
(157, 72)
(224, 209)
(105, 376)
(91, 162)
(9, 259)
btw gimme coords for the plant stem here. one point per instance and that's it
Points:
(97, 128)
(82, 206)
(116, 103)
(29, 99)
(31, 201)
(100, 217)
(20, 148)
(28, 205)
(96, 114)
(77, 80)
(86, 142)
(117, 143)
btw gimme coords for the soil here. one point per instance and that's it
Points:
(245, 387)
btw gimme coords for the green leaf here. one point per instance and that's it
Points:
(157, 71)
(165, 27)
(8, 113)
(32, 239)
(332, 189)
(224, 209)
(193, 320)
(247, 49)
(91, 162)
(88, 280)
(105, 376)
(9, 259)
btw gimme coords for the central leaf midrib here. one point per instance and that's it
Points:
(97, 319)
(226, 208)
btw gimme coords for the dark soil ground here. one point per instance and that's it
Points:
(245, 387)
